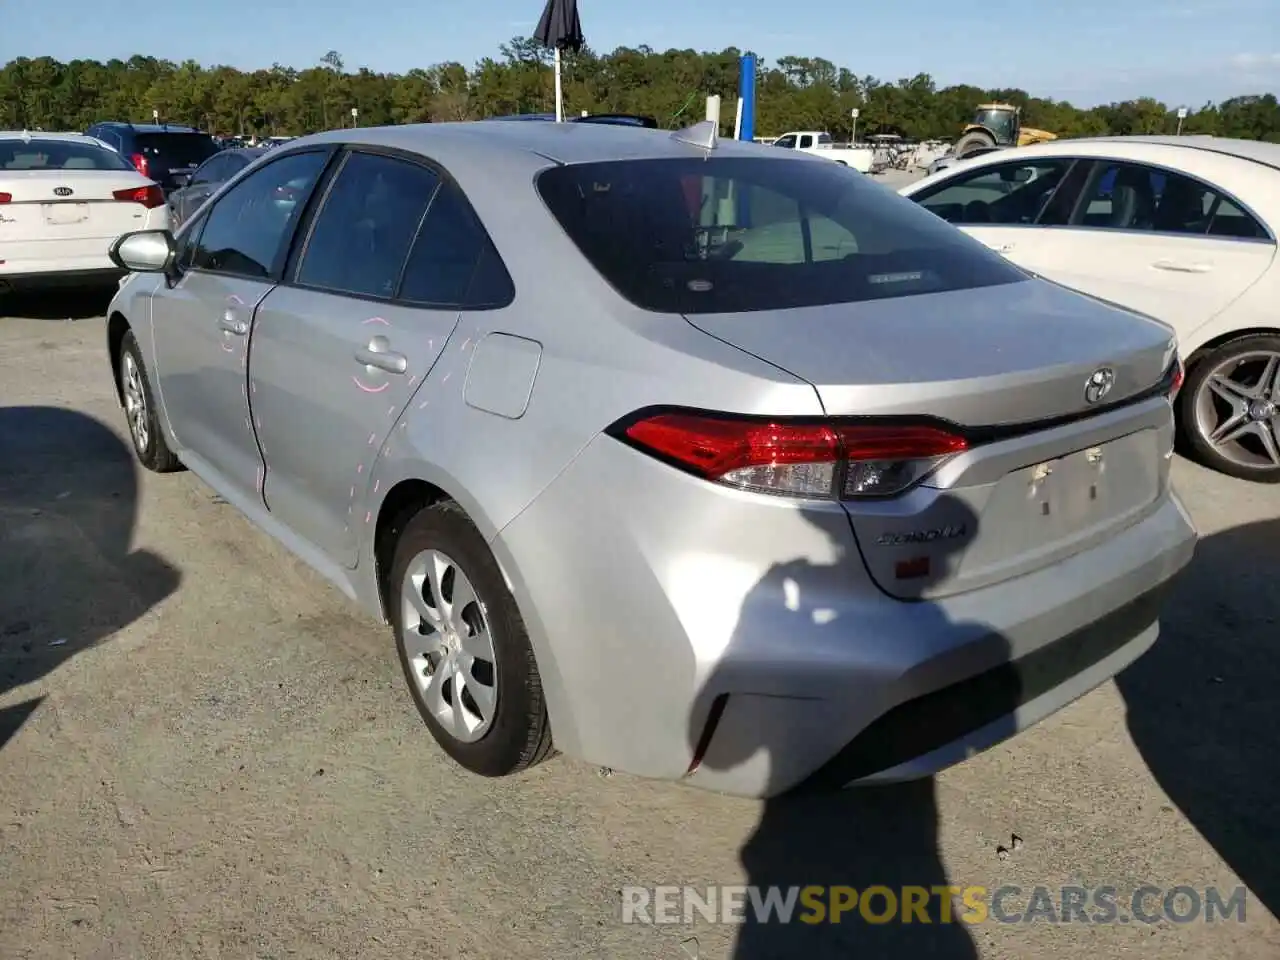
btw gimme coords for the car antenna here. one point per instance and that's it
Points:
(702, 135)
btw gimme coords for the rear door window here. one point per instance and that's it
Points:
(1136, 197)
(363, 232)
(722, 235)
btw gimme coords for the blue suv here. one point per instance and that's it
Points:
(166, 153)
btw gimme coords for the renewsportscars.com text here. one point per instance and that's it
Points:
(1148, 904)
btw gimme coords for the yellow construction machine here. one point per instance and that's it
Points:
(998, 125)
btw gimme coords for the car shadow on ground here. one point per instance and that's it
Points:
(56, 304)
(877, 836)
(69, 577)
(1202, 705)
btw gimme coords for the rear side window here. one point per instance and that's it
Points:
(176, 149)
(453, 262)
(58, 155)
(725, 235)
(1228, 220)
(363, 232)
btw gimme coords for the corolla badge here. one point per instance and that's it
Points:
(1099, 384)
(951, 531)
(62, 191)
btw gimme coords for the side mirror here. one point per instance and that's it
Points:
(144, 251)
(1016, 174)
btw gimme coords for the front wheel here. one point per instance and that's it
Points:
(464, 648)
(1229, 408)
(140, 411)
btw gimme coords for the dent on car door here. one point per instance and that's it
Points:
(203, 320)
(1160, 242)
(998, 204)
(344, 344)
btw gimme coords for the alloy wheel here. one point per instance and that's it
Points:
(1237, 409)
(448, 645)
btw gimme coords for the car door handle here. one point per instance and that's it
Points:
(1175, 266)
(383, 359)
(233, 324)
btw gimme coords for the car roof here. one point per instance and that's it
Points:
(148, 127)
(1254, 151)
(1258, 151)
(43, 135)
(556, 142)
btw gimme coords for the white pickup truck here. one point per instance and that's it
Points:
(821, 145)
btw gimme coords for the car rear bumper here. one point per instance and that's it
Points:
(685, 630)
(61, 275)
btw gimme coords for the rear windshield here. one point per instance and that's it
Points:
(726, 235)
(37, 154)
(177, 149)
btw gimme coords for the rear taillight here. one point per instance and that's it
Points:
(140, 164)
(150, 196)
(828, 460)
(5, 197)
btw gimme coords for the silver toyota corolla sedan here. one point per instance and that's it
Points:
(700, 460)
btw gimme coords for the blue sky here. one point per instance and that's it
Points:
(1086, 51)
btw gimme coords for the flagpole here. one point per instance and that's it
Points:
(559, 91)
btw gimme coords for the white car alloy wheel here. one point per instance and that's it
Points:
(448, 645)
(1236, 410)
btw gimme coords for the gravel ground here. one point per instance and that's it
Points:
(205, 752)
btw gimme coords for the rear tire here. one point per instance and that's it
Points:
(977, 140)
(140, 410)
(464, 648)
(1228, 406)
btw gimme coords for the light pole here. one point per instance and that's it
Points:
(853, 134)
(1182, 115)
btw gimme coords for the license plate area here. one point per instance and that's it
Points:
(1093, 485)
(64, 214)
(1051, 508)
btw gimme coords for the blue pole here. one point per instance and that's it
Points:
(747, 90)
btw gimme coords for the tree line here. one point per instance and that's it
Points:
(793, 93)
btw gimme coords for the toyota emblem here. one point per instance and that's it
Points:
(1099, 384)
(62, 191)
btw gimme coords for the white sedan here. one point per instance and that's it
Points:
(64, 198)
(1181, 228)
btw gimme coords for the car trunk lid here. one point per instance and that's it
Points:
(1055, 461)
(55, 206)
